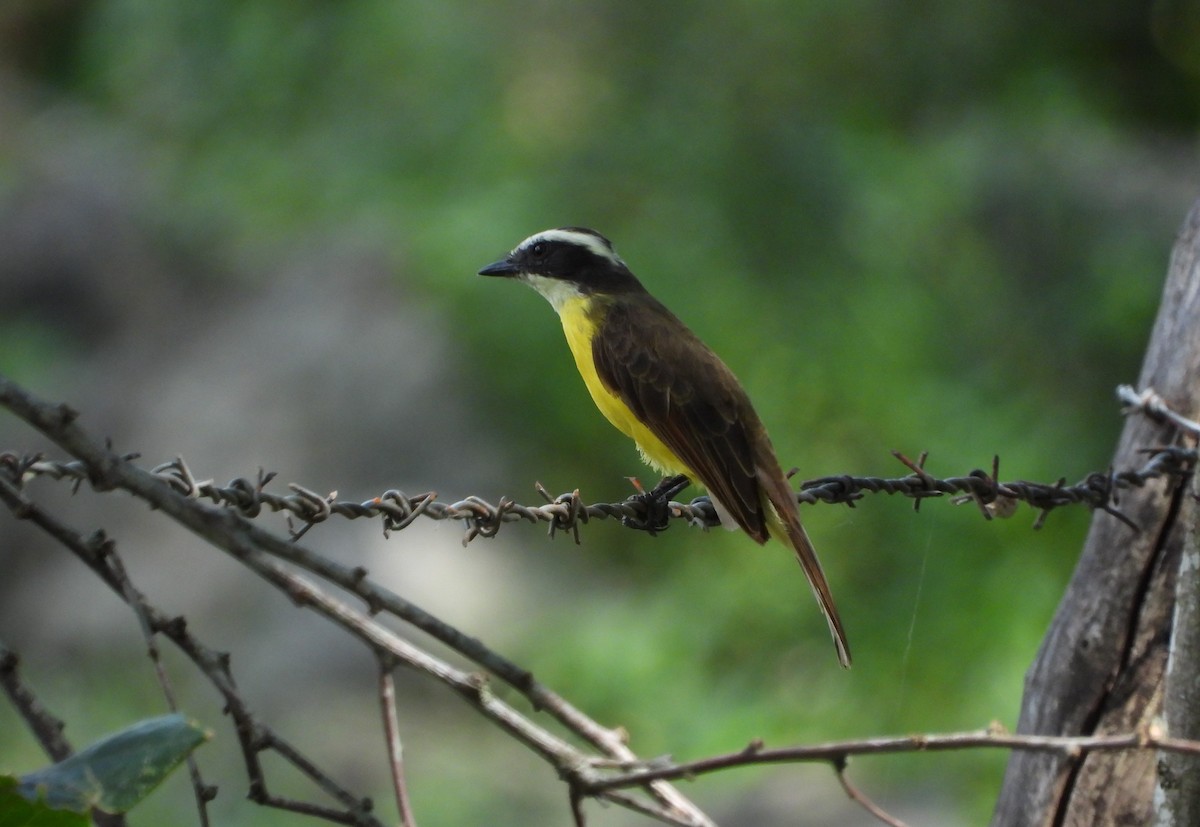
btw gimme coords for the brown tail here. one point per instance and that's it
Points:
(784, 524)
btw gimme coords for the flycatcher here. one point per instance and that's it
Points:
(664, 388)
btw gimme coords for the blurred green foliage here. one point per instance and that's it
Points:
(940, 226)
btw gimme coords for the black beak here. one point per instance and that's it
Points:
(503, 267)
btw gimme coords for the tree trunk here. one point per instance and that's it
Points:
(1178, 784)
(1102, 665)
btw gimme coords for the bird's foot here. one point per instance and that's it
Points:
(656, 502)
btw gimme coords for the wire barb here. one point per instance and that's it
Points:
(1149, 403)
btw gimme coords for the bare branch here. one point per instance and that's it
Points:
(45, 727)
(395, 749)
(859, 797)
(98, 552)
(255, 548)
(836, 752)
(203, 792)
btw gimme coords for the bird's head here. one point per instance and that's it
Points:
(564, 263)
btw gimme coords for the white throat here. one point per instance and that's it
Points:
(556, 291)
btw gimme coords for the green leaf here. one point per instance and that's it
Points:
(18, 811)
(116, 773)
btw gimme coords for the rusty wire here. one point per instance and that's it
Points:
(566, 512)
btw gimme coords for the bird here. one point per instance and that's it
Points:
(659, 384)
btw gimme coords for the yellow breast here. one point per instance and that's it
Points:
(580, 327)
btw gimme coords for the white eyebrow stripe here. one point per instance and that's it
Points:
(591, 242)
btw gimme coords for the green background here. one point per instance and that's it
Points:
(941, 226)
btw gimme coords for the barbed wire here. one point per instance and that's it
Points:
(588, 776)
(566, 512)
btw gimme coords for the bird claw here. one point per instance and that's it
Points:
(656, 502)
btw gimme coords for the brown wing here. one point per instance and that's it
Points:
(687, 398)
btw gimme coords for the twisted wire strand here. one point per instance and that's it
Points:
(566, 512)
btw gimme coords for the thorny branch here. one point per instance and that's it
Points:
(615, 770)
(262, 552)
(98, 552)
